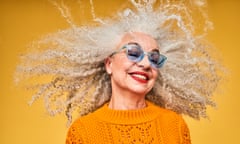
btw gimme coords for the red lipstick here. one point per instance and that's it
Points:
(141, 77)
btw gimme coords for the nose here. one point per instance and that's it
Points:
(144, 62)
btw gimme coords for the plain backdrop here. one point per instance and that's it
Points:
(22, 21)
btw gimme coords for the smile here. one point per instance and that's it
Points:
(140, 77)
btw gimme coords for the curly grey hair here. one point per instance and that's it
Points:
(71, 61)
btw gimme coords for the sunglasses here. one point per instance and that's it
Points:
(135, 53)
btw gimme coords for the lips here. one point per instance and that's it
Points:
(140, 77)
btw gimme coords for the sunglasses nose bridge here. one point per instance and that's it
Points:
(144, 60)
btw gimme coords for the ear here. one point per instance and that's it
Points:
(108, 65)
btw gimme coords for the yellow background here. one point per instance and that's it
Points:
(22, 21)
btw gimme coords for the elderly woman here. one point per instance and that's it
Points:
(128, 117)
(129, 78)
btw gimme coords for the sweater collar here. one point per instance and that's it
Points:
(127, 116)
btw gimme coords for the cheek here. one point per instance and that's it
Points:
(121, 63)
(155, 75)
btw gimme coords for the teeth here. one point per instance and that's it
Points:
(140, 76)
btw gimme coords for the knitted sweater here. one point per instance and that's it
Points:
(150, 125)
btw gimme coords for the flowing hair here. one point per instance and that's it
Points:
(73, 59)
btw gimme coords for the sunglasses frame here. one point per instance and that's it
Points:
(162, 58)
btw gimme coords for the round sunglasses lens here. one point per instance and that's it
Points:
(134, 52)
(162, 60)
(157, 60)
(154, 57)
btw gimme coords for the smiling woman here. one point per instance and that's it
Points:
(128, 117)
(126, 76)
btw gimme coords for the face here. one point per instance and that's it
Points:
(128, 76)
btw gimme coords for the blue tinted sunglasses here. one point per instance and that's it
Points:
(135, 53)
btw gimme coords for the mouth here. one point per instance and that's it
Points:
(140, 76)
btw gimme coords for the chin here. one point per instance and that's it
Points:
(140, 91)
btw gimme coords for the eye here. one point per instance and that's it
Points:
(134, 50)
(154, 57)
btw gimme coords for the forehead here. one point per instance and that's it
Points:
(146, 41)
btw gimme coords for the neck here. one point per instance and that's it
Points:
(127, 102)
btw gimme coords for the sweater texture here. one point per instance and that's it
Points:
(150, 125)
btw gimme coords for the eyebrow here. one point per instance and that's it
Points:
(153, 50)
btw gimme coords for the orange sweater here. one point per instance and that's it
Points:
(151, 125)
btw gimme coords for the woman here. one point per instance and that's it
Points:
(129, 117)
(113, 73)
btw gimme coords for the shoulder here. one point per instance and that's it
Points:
(172, 122)
(78, 128)
(74, 132)
(167, 116)
(82, 121)
(163, 111)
